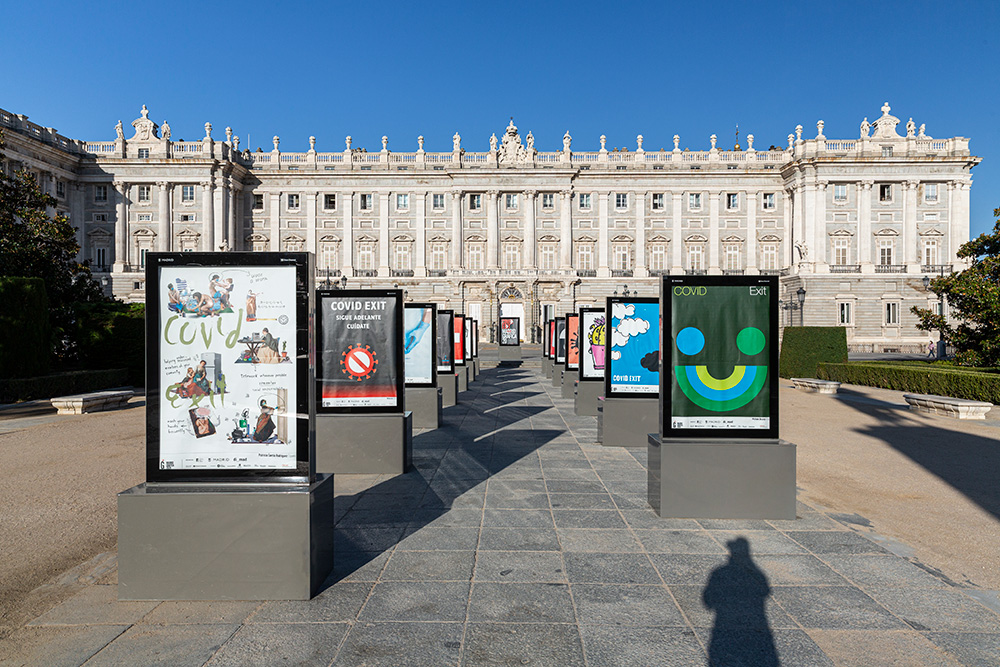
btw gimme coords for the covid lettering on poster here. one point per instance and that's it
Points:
(418, 344)
(226, 370)
(510, 331)
(720, 337)
(634, 349)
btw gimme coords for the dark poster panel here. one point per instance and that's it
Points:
(475, 338)
(545, 339)
(632, 366)
(510, 328)
(573, 342)
(468, 339)
(560, 340)
(459, 329)
(445, 341)
(227, 367)
(552, 339)
(419, 343)
(720, 337)
(360, 351)
(592, 330)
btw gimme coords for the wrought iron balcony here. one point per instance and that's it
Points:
(732, 272)
(621, 273)
(940, 269)
(587, 273)
(659, 272)
(696, 272)
(890, 268)
(365, 273)
(402, 273)
(845, 268)
(437, 273)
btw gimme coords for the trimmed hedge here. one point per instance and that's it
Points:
(61, 384)
(113, 335)
(802, 348)
(928, 380)
(25, 333)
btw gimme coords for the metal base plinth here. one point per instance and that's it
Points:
(587, 393)
(557, 373)
(475, 368)
(721, 479)
(364, 443)
(425, 403)
(202, 542)
(625, 422)
(569, 379)
(510, 353)
(462, 373)
(546, 367)
(448, 384)
(554, 371)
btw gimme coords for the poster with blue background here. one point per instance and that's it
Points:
(633, 347)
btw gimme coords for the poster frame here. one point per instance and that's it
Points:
(468, 338)
(561, 362)
(551, 345)
(517, 325)
(475, 339)
(459, 359)
(433, 382)
(594, 378)
(569, 317)
(398, 327)
(451, 341)
(607, 338)
(305, 416)
(545, 339)
(667, 283)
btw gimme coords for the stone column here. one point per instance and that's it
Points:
(865, 226)
(676, 237)
(603, 271)
(960, 229)
(121, 226)
(76, 216)
(311, 198)
(751, 241)
(807, 194)
(909, 236)
(566, 230)
(383, 234)
(820, 241)
(275, 221)
(420, 251)
(164, 214)
(220, 197)
(640, 232)
(231, 215)
(787, 236)
(798, 223)
(208, 214)
(347, 205)
(713, 232)
(529, 229)
(492, 230)
(456, 229)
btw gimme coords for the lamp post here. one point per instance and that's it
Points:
(801, 293)
(792, 306)
(940, 349)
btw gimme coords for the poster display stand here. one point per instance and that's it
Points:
(461, 367)
(546, 360)
(362, 425)
(475, 349)
(559, 350)
(716, 452)
(445, 350)
(554, 367)
(232, 507)
(590, 384)
(572, 371)
(423, 398)
(631, 374)
(510, 339)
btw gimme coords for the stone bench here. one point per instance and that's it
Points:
(960, 408)
(817, 386)
(97, 401)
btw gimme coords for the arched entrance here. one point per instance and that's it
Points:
(511, 303)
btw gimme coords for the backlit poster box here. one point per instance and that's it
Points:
(573, 342)
(632, 362)
(468, 339)
(545, 339)
(552, 339)
(360, 350)
(721, 356)
(560, 338)
(592, 344)
(459, 329)
(445, 347)
(227, 367)
(419, 342)
(475, 338)
(510, 328)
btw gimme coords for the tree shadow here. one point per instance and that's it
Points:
(738, 592)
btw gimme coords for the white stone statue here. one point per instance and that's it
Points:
(911, 128)
(819, 129)
(236, 143)
(229, 135)
(638, 141)
(420, 143)
(865, 127)
(208, 130)
(312, 144)
(677, 142)
(165, 128)
(604, 140)
(791, 141)
(713, 139)
(144, 112)
(567, 141)
(531, 141)
(798, 133)
(803, 250)
(385, 143)
(749, 142)
(120, 131)
(456, 142)
(224, 246)
(347, 142)
(275, 140)
(921, 132)
(493, 142)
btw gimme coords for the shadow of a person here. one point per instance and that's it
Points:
(738, 592)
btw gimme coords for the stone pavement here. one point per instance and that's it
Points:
(518, 541)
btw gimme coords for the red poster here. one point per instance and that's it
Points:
(460, 340)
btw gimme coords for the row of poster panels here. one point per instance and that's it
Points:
(510, 331)
(721, 353)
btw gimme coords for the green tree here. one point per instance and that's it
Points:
(974, 298)
(34, 244)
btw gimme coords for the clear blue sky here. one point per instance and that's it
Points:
(404, 69)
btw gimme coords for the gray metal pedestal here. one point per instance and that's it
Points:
(364, 443)
(586, 397)
(448, 384)
(721, 479)
(557, 373)
(625, 422)
(203, 542)
(425, 403)
(462, 373)
(554, 371)
(569, 383)
(510, 353)
(546, 366)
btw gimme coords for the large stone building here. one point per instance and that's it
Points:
(851, 226)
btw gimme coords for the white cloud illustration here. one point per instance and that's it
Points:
(628, 327)
(616, 354)
(620, 311)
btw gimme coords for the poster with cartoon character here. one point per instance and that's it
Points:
(419, 321)
(360, 350)
(573, 341)
(592, 344)
(632, 364)
(227, 370)
(720, 334)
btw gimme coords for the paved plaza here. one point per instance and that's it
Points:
(517, 540)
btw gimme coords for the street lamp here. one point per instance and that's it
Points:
(792, 306)
(801, 292)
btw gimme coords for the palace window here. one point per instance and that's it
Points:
(366, 256)
(892, 313)
(143, 153)
(584, 198)
(100, 258)
(328, 256)
(144, 217)
(512, 255)
(930, 251)
(60, 189)
(548, 200)
(621, 200)
(769, 256)
(403, 256)
(732, 201)
(258, 202)
(585, 257)
(658, 256)
(260, 245)
(329, 202)
(841, 251)
(100, 217)
(694, 201)
(930, 192)
(547, 255)
(143, 194)
(402, 202)
(475, 202)
(885, 247)
(840, 192)
(510, 201)
(187, 194)
(475, 256)
(696, 257)
(293, 202)
(733, 262)
(437, 202)
(658, 201)
(845, 314)
(100, 193)
(885, 192)
(622, 256)
(768, 201)
(887, 151)
(439, 256)
(365, 203)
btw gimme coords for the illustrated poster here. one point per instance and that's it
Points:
(592, 345)
(445, 341)
(560, 340)
(475, 338)
(358, 362)
(459, 328)
(418, 344)
(468, 339)
(510, 331)
(552, 340)
(634, 351)
(227, 363)
(573, 342)
(719, 357)
(545, 339)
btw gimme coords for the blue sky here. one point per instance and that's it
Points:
(405, 69)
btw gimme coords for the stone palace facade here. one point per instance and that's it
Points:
(854, 223)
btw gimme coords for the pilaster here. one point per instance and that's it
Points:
(529, 229)
(275, 221)
(420, 259)
(165, 216)
(640, 232)
(383, 233)
(676, 236)
(208, 207)
(909, 236)
(713, 231)
(492, 229)
(865, 226)
(311, 204)
(457, 239)
(121, 226)
(347, 204)
(751, 241)
(603, 271)
(565, 229)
